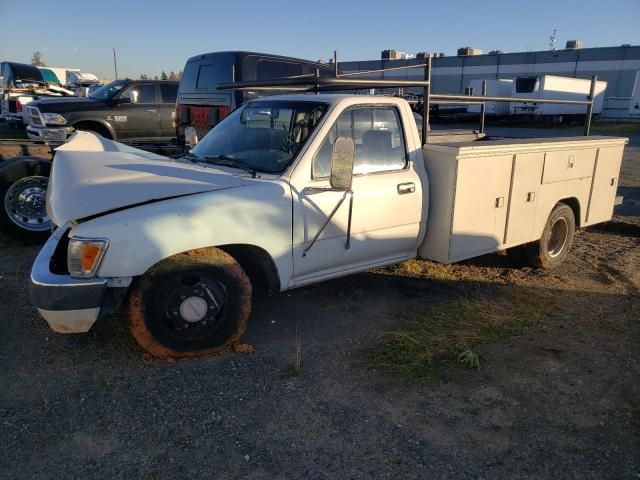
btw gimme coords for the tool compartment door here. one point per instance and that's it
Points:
(604, 185)
(527, 172)
(480, 208)
(571, 164)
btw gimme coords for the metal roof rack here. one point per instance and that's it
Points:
(345, 81)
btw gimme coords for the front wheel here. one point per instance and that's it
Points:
(23, 208)
(554, 245)
(192, 304)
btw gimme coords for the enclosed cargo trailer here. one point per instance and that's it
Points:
(500, 87)
(550, 87)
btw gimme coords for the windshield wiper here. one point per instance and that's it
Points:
(189, 156)
(231, 162)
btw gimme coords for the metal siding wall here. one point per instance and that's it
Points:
(452, 74)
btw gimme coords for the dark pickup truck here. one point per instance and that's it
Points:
(140, 110)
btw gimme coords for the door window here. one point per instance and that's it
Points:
(141, 93)
(169, 93)
(378, 136)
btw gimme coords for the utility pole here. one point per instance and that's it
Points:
(115, 63)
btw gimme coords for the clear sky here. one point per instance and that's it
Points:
(153, 35)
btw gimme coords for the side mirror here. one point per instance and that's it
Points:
(342, 158)
(121, 100)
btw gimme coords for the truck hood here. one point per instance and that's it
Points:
(65, 104)
(92, 175)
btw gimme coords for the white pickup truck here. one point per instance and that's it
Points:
(287, 191)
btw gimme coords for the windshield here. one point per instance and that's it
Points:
(109, 90)
(263, 136)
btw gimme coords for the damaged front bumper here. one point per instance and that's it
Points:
(69, 305)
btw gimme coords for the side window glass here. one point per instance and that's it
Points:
(377, 133)
(141, 93)
(169, 93)
(268, 69)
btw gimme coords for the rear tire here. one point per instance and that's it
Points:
(192, 304)
(23, 189)
(552, 248)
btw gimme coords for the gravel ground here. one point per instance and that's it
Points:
(560, 401)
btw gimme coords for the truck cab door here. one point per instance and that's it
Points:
(135, 115)
(167, 109)
(387, 198)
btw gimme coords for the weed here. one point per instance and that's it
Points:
(446, 334)
(295, 367)
(469, 358)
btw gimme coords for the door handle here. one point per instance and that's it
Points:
(404, 188)
(152, 111)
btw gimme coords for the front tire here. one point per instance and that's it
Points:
(552, 248)
(192, 304)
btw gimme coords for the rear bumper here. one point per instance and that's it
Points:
(69, 305)
(49, 134)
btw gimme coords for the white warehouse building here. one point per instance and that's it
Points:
(618, 66)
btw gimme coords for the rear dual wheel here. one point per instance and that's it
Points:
(193, 304)
(554, 245)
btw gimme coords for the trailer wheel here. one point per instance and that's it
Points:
(554, 245)
(192, 304)
(23, 190)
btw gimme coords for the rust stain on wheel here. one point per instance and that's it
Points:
(136, 307)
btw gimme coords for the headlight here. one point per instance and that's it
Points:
(54, 119)
(84, 256)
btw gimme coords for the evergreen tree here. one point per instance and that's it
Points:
(37, 59)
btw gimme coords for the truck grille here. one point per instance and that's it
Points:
(35, 117)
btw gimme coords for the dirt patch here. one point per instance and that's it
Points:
(558, 399)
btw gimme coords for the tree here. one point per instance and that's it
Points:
(156, 77)
(163, 75)
(37, 59)
(180, 75)
(173, 76)
(144, 77)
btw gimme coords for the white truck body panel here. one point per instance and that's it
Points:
(500, 87)
(101, 175)
(496, 194)
(558, 88)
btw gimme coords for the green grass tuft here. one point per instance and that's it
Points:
(445, 335)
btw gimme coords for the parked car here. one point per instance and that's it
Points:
(141, 110)
(288, 191)
(201, 105)
(21, 84)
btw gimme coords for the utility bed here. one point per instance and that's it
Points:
(495, 194)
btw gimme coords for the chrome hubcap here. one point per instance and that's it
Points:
(558, 237)
(25, 203)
